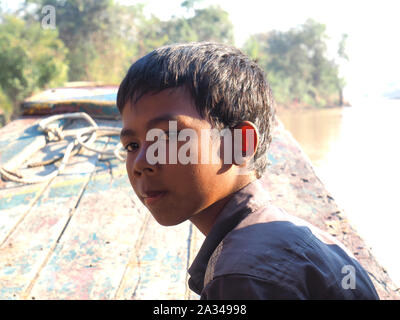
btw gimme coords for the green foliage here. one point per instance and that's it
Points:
(297, 65)
(212, 24)
(104, 38)
(209, 24)
(189, 4)
(256, 47)
(97, 40)
(178, 30)
(114, 48)
(30, 57)
(84, 27)
(5, 107)
(151, 33)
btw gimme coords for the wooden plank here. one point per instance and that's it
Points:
(90, 258)
(18, 141)
(16, 200)
(16, 130)
(158, 268)
(105, 251)
(15, 204)
(158, 262)
(28, 247)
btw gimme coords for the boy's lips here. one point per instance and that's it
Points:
(150, 197)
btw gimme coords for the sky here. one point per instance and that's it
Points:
(372, 26)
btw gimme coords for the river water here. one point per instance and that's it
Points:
(356, 153)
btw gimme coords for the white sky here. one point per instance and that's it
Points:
(373, 27)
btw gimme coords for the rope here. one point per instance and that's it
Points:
(53, 133)
(105, 131)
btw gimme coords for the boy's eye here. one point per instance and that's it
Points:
(131, 147)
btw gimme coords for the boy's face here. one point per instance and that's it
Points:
(172, 192)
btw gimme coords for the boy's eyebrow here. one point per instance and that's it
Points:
(150, 123)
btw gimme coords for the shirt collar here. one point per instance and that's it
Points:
(243, 202)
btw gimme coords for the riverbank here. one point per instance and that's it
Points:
(302, 107)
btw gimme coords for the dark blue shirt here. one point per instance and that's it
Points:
(257, 251)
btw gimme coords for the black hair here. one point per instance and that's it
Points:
(227, 87)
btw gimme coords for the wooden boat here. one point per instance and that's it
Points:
(83, 234)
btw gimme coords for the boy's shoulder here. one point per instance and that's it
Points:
(265, 244)
(275, 249)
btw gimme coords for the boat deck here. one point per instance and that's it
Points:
(85, 235)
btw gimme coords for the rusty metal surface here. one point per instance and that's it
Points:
(97, 101)
(85, 234)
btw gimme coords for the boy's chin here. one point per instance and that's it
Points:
(167, 221)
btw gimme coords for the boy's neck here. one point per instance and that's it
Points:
(205, 219)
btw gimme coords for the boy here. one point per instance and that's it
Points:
(217, 97)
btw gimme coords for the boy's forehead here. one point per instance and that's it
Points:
(168, 104)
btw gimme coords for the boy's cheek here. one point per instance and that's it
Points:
(129, 168)
(208, 152)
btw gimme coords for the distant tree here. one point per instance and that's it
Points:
(189, 4)
(256, 46)
(30, 58)
(79, 22)
(101, 35)
(6, 108)
(152, 33)
(208, 24)
(212, 24)
(344, 57)
(342, 47)
(178, 30)
(118, 46)
(297, 64)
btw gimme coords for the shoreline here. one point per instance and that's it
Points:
(300, 107)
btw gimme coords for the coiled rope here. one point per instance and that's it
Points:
(80, 139)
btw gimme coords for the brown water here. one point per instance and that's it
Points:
(356, 153)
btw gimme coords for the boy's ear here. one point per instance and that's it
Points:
(245, 142)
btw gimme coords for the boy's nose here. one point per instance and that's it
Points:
(141, 165)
